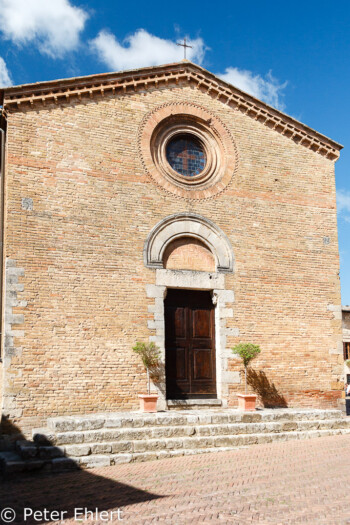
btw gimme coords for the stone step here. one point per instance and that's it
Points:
(30, 450)
(204, 446)
(26, 449)
(158, 438)
(270, 427)
(50, 452)
(196, 441)
(129, 435)
(190, 417)
(13, 463)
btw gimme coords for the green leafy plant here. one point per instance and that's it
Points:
(150, 356)
(247, 352)
(347, 363)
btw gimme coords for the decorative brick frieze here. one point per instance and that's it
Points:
(158, 77)
(187, 117)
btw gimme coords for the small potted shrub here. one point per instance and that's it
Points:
(150, 355)
(247, 352)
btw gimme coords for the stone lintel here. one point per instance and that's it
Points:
(190, 279)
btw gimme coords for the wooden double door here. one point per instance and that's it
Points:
(189, 345)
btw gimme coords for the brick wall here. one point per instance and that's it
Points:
(188, 254)
(79, 207)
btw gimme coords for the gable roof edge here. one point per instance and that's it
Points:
(132, 80)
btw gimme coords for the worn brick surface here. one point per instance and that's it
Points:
(77, 250)
(304, 482)
(188, 254)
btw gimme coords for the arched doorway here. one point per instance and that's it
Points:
(190, 256)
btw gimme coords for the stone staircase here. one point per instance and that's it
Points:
(109, 439)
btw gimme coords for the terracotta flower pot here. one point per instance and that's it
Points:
(148, 402)
(246, 401)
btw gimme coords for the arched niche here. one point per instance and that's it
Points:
(189, 225)
(188, 253)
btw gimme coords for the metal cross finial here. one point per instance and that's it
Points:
(184, 45)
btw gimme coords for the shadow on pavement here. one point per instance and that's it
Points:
(65, 492)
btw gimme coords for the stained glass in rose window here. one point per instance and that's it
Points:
(186, 155)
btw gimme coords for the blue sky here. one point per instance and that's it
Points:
(294, 56)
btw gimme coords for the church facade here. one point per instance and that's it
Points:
(164, 205)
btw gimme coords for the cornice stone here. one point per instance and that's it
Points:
(13, 98)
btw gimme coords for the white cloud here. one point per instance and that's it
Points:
(53, 25)
(267, 89)
(5, 79)
(343, 204)
(142, 49)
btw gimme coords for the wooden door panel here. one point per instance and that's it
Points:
(180, 322)
(202, 364)
(177, 363)
(177, 373)
(201, 325)
(181, 364)
(176, 323)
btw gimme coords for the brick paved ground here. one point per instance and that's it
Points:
(280, 483)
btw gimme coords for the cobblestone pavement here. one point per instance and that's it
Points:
(279, 483)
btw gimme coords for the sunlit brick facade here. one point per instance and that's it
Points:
(83, 192)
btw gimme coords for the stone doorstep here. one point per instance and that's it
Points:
(177, 417)
(121, 437)
(193, 403)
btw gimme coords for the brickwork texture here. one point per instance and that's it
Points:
(79, 206)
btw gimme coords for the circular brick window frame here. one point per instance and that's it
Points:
(164, 123)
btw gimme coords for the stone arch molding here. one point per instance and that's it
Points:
(188, 225)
